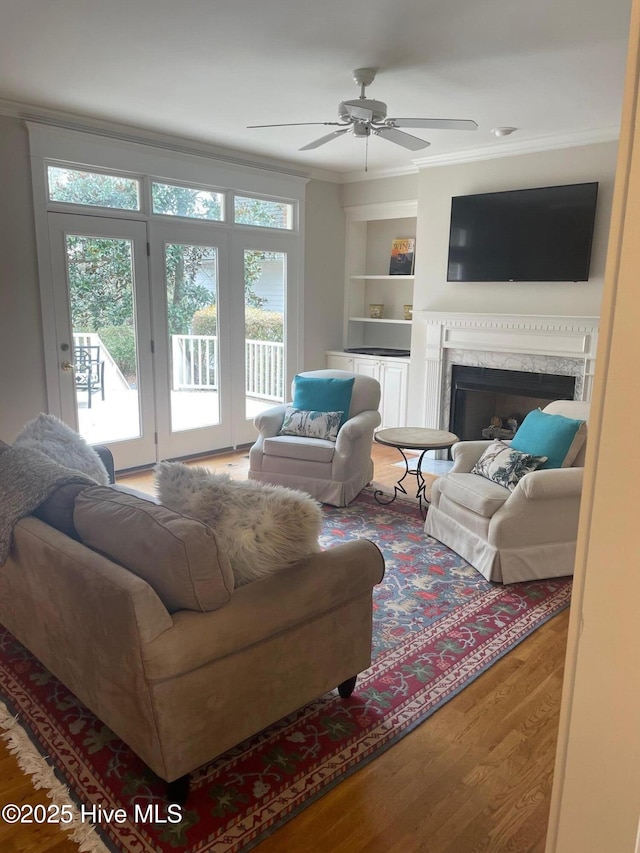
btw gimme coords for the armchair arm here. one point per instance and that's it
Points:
(361, 424)
(552, 483)
(465, 454)
(268, 423)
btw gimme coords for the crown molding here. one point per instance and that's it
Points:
(376, 174)
(130, 133)
(507, 147)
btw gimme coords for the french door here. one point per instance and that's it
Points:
(102, 317)
(170, 336)
(193, 338)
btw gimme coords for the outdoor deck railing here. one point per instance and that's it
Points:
(195, 366)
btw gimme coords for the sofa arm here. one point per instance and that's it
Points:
(465, 454)
(361, 424)
(551, 483)
(316, 585)
(269, 422)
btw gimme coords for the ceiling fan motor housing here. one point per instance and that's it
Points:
(378, 108)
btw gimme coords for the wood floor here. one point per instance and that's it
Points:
(474, 777)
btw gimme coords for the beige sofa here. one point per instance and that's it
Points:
(181, 687)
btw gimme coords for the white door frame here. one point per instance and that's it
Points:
(130, 452)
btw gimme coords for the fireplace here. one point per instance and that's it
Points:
(491, 403)
(550, 345)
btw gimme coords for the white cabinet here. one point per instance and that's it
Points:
(391, 373)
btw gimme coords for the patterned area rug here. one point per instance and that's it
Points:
(438, 625)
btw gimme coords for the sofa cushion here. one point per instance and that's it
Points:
(474, 492)
(323, 394)
(178, 556)
(324, 425)
(506, 466)
(57, 510)
(62, 444)
(557, 437)
(307, 449)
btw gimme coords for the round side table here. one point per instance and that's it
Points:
(412, 438)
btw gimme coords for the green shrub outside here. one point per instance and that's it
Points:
(259, 325)
(121, 343)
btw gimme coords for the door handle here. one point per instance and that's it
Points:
(66, 365)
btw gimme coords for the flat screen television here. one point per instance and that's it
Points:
(540, 234)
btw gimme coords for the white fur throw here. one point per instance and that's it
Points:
(261, 528)
(59, 442)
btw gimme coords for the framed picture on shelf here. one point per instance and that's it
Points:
(402, 256)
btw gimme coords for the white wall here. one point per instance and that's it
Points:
(22, 380)
(436, 186)
(324, 272)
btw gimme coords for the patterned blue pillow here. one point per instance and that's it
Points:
(506, 466)
(311, 424)
(323, 394)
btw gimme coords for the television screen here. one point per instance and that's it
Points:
(541, 234)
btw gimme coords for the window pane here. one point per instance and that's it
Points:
(105, 353)
(75, 187)
(264, 297)
(191, 202)
(268, 214)
(192, 295)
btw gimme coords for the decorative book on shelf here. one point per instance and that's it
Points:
(402, 254)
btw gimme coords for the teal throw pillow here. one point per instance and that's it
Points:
(554, 436)
(323, 394)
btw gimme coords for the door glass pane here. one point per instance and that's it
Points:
(264, 293)
(99, 190)
(192, 297)
(101, 290)
(190, 202)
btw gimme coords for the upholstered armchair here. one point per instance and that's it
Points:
(333, 472)
(508, 536)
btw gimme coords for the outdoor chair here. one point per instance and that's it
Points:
(88, 371)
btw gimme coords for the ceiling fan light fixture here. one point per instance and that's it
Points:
(503, 131)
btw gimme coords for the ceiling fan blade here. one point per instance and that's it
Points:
(295, 124)
(435, 123)
(318, 142)
(400, 138)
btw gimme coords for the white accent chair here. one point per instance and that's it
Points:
(527, 534)
(331, 472)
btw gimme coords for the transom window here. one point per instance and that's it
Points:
(97, 189)
(267, 214)
(189, 202)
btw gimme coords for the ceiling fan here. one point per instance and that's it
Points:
(363, 117)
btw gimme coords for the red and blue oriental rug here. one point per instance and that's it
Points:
(438, 624)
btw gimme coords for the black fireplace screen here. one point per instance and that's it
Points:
(491, 403)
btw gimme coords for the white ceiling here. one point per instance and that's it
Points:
(204, 69)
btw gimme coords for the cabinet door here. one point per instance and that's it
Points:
(367, 367)
(339, 362)
(393, 404)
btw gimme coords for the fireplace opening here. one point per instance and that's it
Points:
(491, 403)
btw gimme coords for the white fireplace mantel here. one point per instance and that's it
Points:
(531, 343)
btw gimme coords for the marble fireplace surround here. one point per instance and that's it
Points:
(531, 343)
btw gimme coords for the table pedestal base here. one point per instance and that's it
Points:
(423, 502)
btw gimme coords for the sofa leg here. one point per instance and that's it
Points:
(178, 790)
(346, 688)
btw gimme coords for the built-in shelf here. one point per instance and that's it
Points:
(385, 277)
(379, 320)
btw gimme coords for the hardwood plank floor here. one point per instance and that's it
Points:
(474, 778)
